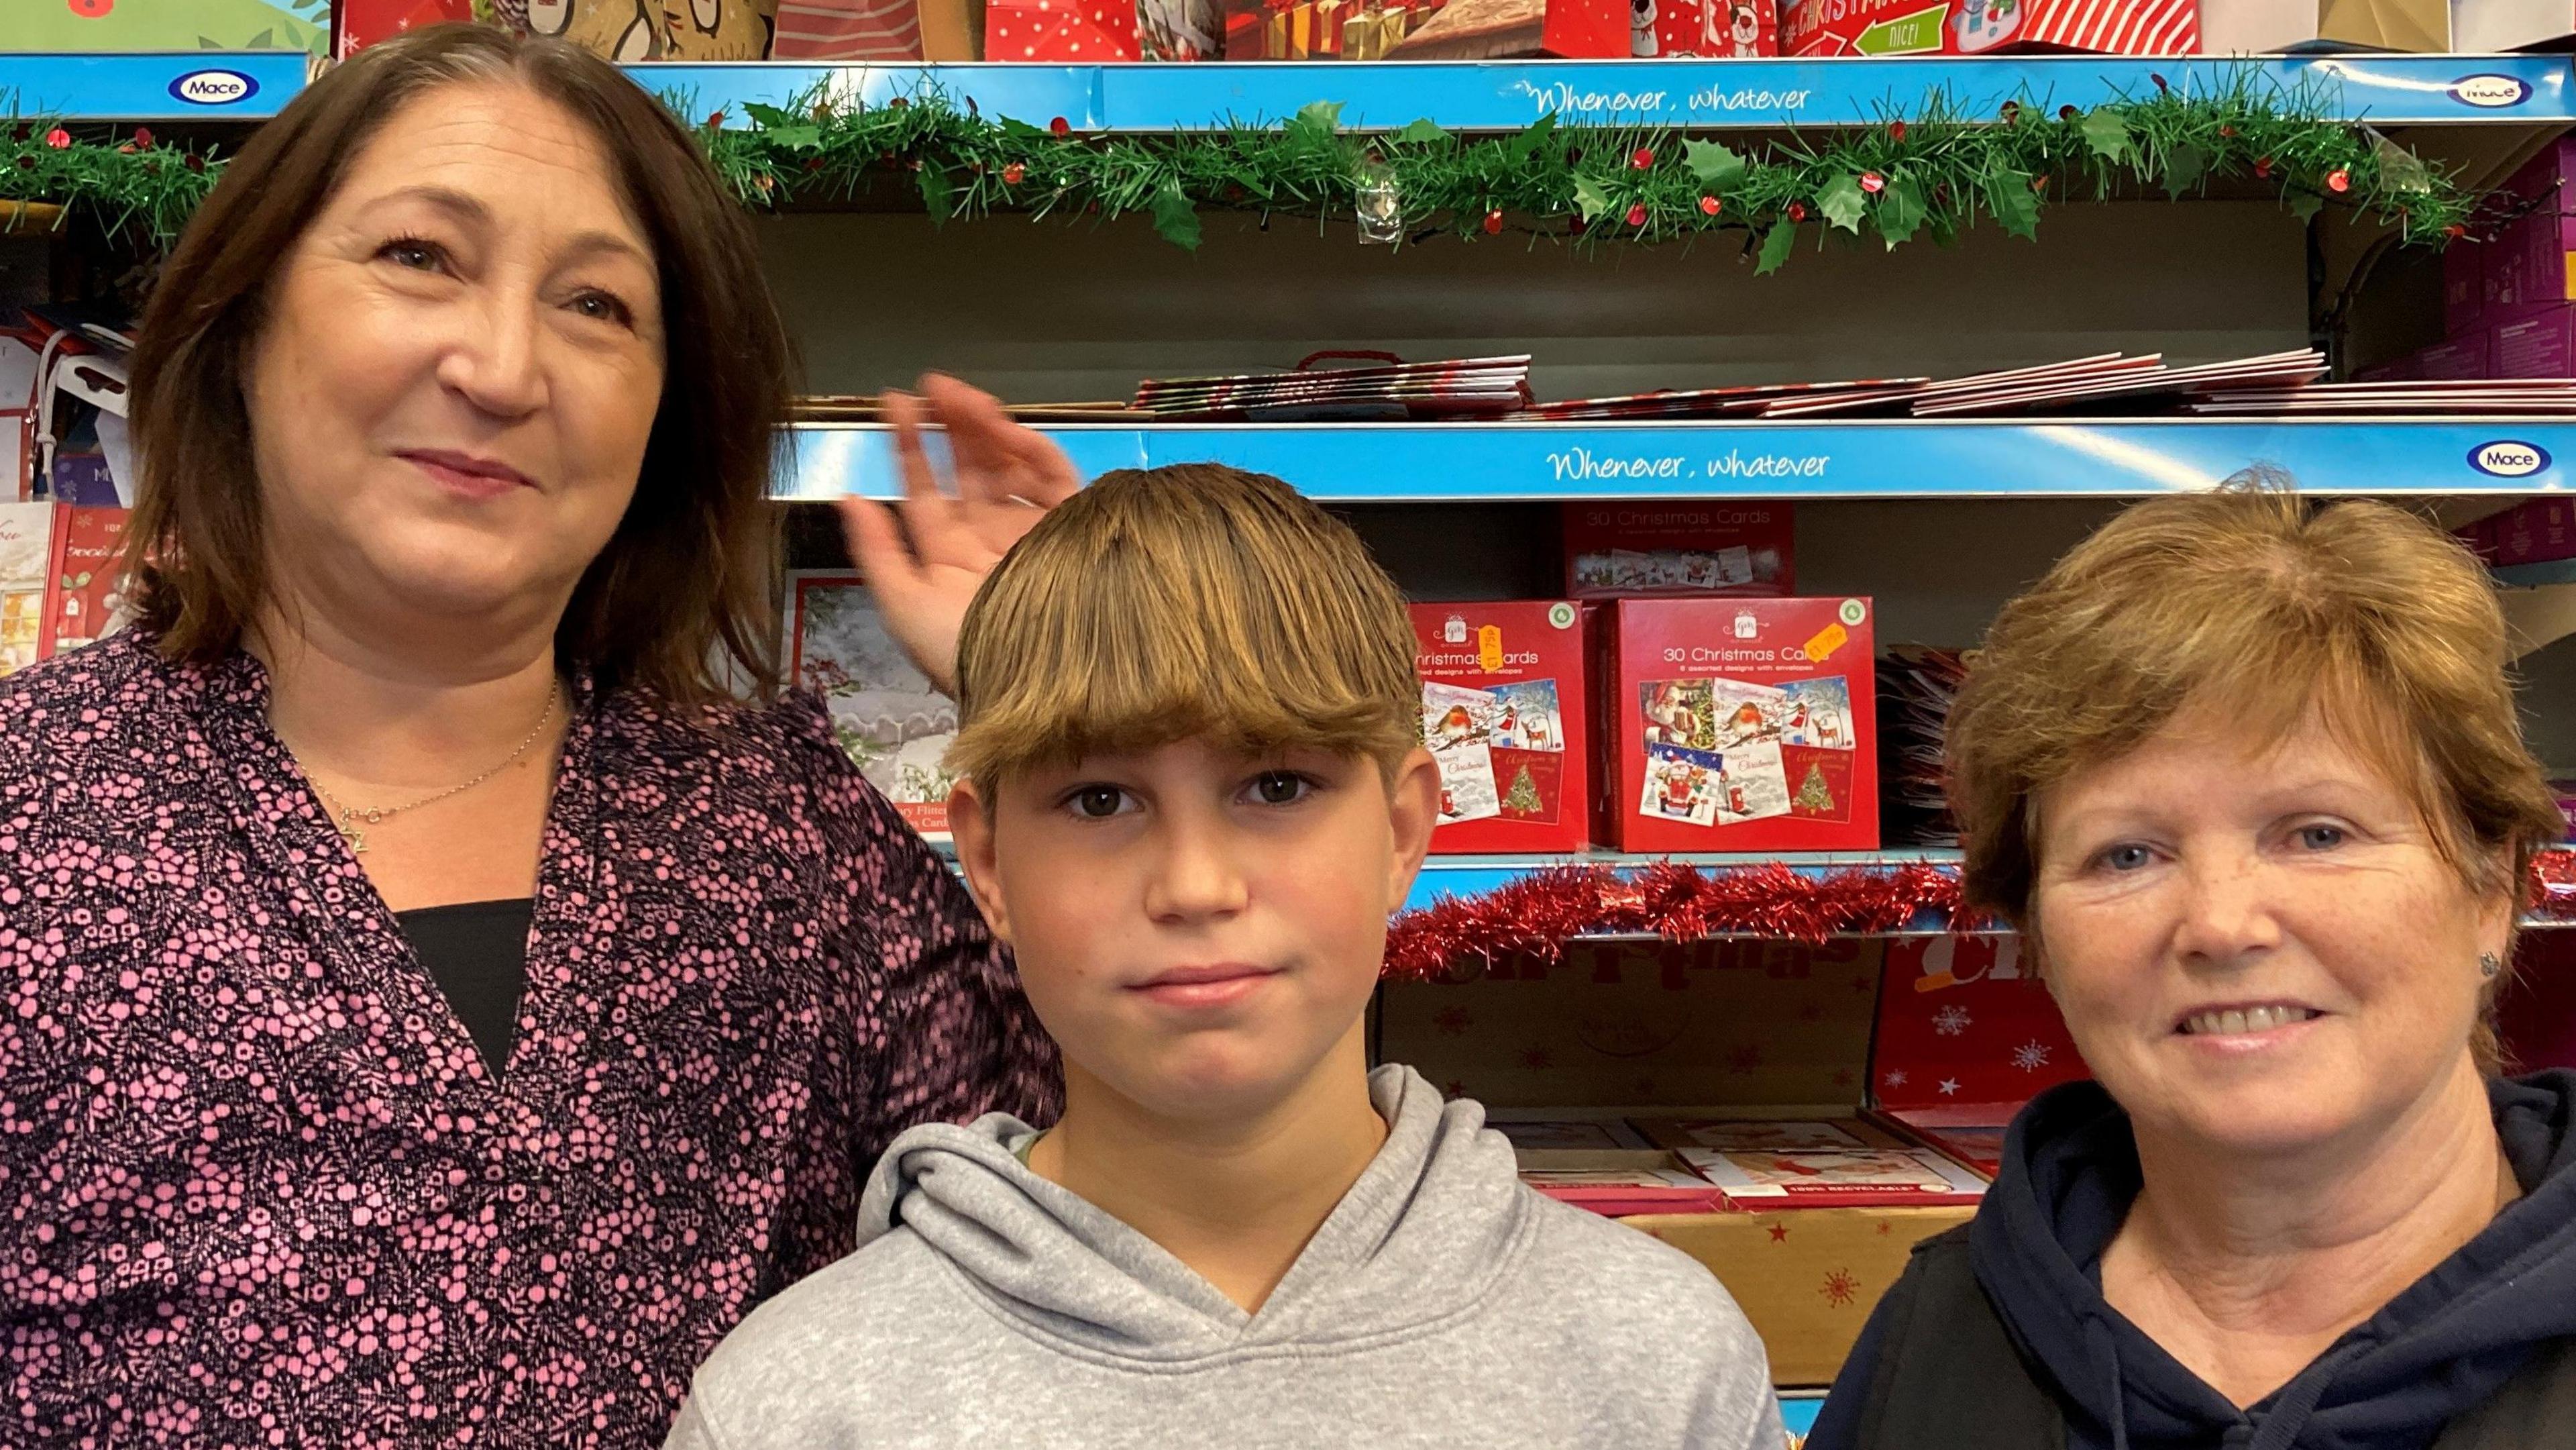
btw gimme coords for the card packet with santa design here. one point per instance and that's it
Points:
(1503, 712)
(1739, 725)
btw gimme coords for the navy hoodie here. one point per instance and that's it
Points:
(2438, 1349)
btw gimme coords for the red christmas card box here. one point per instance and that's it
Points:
(1738, 29)
(1631, 549)
(1503, 712)
(1970, 27)
(1740, 725)
(1768, 1163)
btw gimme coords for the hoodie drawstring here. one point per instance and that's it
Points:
(2283, 1422)
(2103, 1348)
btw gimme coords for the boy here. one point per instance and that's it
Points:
(1192, 792)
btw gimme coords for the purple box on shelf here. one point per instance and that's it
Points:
(2460, 358)
(2538, 531)
(2527, 264)
(2464, 299)
(2540, 345)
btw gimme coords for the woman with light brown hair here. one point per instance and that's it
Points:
(443, 986)
(2247, 773)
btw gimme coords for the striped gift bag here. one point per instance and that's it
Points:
(2118, 27)
(848, 30)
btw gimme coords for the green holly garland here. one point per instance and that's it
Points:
(1934, 174)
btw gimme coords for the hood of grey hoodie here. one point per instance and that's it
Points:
(1425, 1232)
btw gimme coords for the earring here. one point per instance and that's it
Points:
(2489, 964)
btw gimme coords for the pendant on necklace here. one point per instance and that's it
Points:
(350, 833)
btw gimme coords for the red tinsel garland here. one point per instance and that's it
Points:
(1541, 912)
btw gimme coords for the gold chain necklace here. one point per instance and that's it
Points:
(351, 817)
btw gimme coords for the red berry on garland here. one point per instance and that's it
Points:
(196, 162)
(92, 9)
(142, 135)
(1493, 223)
(2039, 183)
(125, 150)
(2226, 133)
(58, 138)
(764, 183)
(1872, 182)
(2455, 231)
(2262, 166)
(1711, 206)
(2161, 87)
(1637, 215)
(28, 163)
(813, 163)
(716, 121)
(2066, 113)
(1060, 126)
(1642, 158)
(1577, 226)
(898, 103)
(1797, 211)
(2012, 112)
(1896, 130)
(1014, 174)
(2338, 181)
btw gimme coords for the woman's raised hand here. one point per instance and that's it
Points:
(925, 573)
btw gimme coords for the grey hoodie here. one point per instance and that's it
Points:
(1441, 1303)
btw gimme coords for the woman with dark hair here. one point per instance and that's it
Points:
(442, 987)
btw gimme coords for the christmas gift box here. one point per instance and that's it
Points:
(1970, 27)
(1648, 548)
(26, 543)
(1964, 1024)
(1072, 31)
(1491, 30)
(881, 30)
(357, 24)
(1503, 711)
(2538, 345)
(885, 713)
(1739, 725)
(173, 25)
(622, 30)
(1707, 28)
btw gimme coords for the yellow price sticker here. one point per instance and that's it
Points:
(1830, 639)
(1489, 647)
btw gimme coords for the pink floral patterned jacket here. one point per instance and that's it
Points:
(258, 1188)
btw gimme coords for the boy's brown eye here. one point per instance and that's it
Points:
(1097, 801)
(1279, 788)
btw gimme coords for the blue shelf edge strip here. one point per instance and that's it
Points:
(1505, 462)
(1461, 95)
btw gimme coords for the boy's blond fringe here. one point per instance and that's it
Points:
(1193, 601)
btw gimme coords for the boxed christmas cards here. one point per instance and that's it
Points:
(885, 713)
(1502, 712)
(1768, 1163)
(1740, 725)
(1650, 548)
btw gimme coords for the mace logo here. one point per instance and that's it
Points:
(214, 88)
(2509, 458)
(2490, 92)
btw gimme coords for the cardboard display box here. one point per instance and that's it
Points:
(1739, 725)
(1806, 1278)
(1761, 1032)
(1503, 710)
(1973, 27)
(2455, 27)
(60, 587)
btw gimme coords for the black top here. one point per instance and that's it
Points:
(477, 952)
